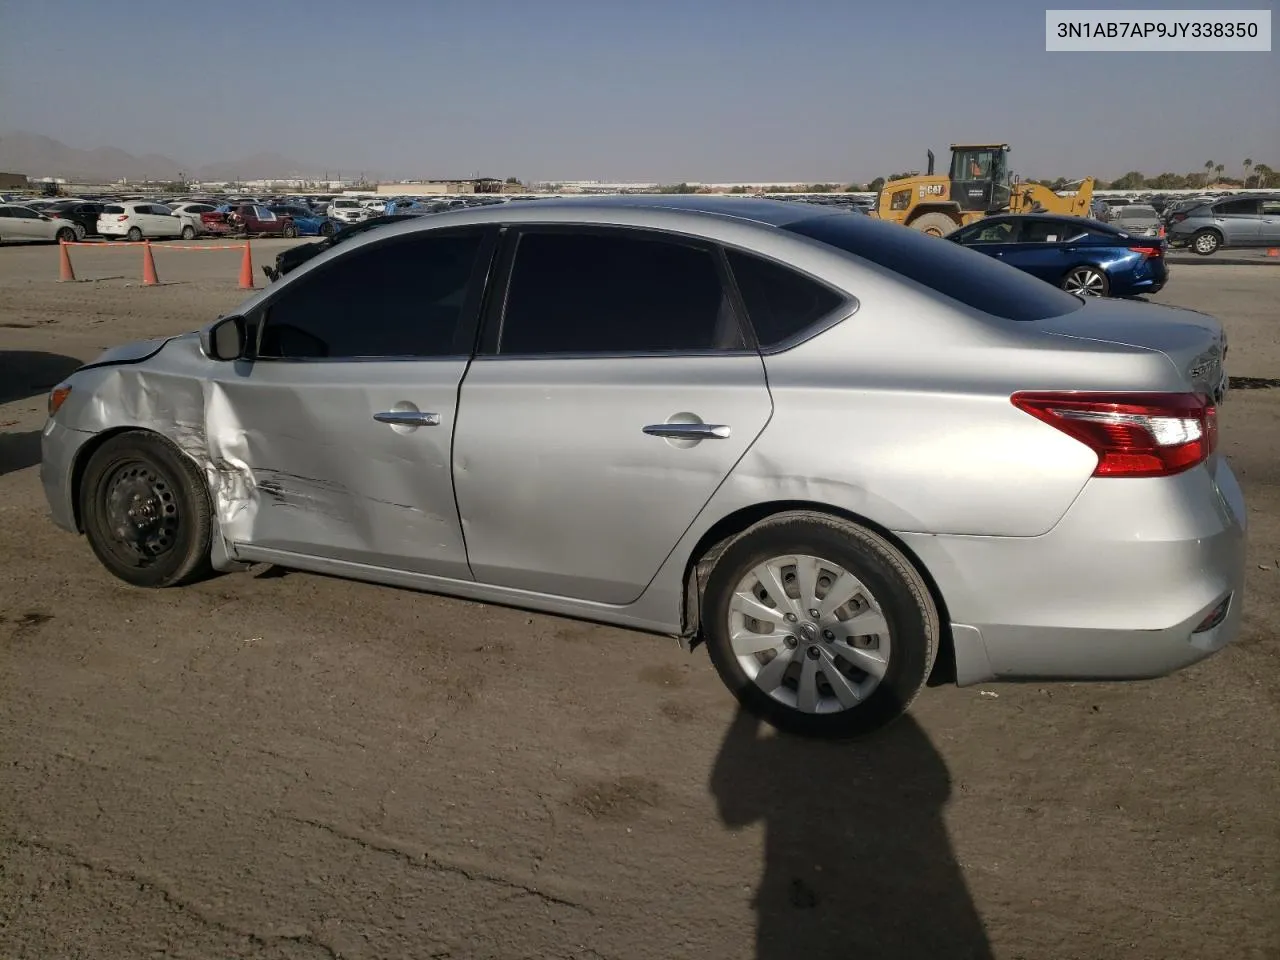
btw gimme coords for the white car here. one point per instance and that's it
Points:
(136, 220)
(375, 207)
(19, 224)
(348, 210)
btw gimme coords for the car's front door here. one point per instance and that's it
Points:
(992, 236)
(1269, 230)
(344, 421)
(614, 391)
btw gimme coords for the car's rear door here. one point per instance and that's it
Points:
(1240, 221)
(1040, 248)
(614, 391)
(345, 420)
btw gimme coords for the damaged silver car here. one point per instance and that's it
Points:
(848, 457)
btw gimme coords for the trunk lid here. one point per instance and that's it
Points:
(1194, 342)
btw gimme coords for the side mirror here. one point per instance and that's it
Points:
(225, 339)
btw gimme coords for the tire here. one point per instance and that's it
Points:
(1087, 280)
(134, 234)
(290, 231)
(887, 588)
(169, 543)
(188, 232)
(81, 231)
(1206, 242)
(66, 235)
(326, 229)
(934, 224)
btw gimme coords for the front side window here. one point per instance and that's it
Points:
(781, 304)
(402, 298)
(997, 231)
(615, 293)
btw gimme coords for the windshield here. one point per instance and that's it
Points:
(345, 203)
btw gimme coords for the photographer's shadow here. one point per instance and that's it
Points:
(857, 859)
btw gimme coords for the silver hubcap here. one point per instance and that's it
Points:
(809, 634)
(1206, 243)
(1087, 283)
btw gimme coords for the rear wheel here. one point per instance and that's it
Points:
(819, 626)
(1206, 242)
(188, 232)
(134, 234)
(934, 224)
(146, 511)
(1086, 281)
(67, 235)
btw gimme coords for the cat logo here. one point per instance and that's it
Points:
(930, 190)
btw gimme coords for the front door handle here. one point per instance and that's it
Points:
(408, 418)
(689, 431)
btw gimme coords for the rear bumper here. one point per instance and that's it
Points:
(1115, 591)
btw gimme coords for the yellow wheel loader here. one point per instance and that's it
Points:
(977, 185)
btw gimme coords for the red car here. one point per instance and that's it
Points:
(247, 219)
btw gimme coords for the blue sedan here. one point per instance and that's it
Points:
(309, 224)
(1082, 256)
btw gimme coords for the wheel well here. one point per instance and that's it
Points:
(1214, 230)
(713, 543)
(949, 210)
(85, 454)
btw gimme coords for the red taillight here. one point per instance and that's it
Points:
(1148, 251)
(1133, 434)
(123, 217)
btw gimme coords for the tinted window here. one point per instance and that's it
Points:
(401, 298)
(5, 212)
(950, 269)
(113, 208)
(780, 303)
(602, 293)
(1044, 231)
(1136, 212)
(1270, 207)
(995, 231)
(1237, 207)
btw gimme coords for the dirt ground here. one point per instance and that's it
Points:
(280, 765)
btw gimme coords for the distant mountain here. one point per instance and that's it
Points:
(40, 156)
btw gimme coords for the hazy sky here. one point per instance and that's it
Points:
(711, 90)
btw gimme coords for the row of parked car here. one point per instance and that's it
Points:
(1203, 224)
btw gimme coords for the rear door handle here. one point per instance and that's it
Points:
(408, 418)
(689, 431)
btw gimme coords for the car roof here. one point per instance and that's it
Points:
(1063, 218)
(775, 213)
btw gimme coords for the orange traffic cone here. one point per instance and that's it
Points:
(149, 278)
(65, 273)
(1273, 251)
(246, 269)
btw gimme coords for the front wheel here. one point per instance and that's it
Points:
(326, 229)
(188, 232)
(1086, 281)
(134, 234)
(67, 235)
(819, 626)
(290, 231)
(1206, 242)
(146, 511)
(934, 224)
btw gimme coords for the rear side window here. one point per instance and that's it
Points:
(1043, 231)
(603, 293)
(950, 269)
(113, 208)
(400, 299)
(781, 304)
(1237, 207)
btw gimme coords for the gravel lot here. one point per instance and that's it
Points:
(275, 764)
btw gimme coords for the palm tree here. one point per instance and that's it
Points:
(1217, 169)
(1248, 165)
(1208, 169)
(1263, 173)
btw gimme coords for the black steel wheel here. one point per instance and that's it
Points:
(145, 511)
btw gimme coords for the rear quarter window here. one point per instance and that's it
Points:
(949, 269)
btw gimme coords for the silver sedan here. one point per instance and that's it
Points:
(847, 457)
